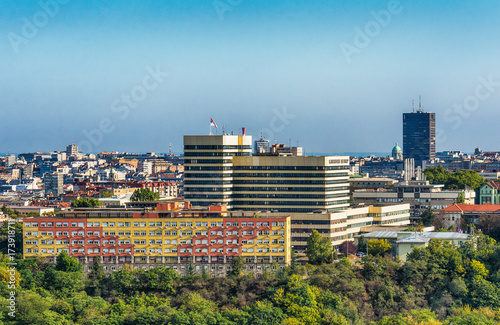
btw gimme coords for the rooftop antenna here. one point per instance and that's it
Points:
(289, 142)
(170, 149)
(419, 103)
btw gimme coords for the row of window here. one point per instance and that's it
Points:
(216, 147)
(290, 167)
(155, 224)
(159, 233)
(159, 242)
(289, 196)
(286, 181)
(312, 175)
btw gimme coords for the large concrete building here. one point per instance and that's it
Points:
(220, 170)
(419, 136)
(345, 225)
(173, 235)
(208, 167)
(290, 183)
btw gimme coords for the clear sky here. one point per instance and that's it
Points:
(334, 75)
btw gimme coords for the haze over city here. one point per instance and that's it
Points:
(246, 63)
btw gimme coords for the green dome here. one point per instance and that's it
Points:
(396, 148)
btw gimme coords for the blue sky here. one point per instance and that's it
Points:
(246, 63)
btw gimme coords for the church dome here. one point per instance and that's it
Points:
(396, 149)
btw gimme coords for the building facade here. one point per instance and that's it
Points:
(54, 184)
(261, 145)
(220, 170)
(208, 167)
(71, 150)
(345, 225)
(488, 193)
(210, 238)
(290, 183)
(419, 194)
(419, 136)
(470, 213)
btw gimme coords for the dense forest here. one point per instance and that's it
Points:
(439, 284)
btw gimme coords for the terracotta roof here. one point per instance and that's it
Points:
(494, 184)
(459, 207)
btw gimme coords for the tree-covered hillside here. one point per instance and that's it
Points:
(439, 284)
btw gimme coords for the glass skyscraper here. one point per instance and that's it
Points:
(419, 136)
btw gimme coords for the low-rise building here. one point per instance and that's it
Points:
(470, 213)
(403, 242)
(345, 225)
(488, 193)
(419, 194)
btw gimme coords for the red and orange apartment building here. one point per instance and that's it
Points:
(174, 234)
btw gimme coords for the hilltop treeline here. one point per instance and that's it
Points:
(439, 284)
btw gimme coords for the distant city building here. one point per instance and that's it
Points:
(419, 136)
(45, 167)
(282, 149)
(54, 184)
(261, 145)
(10, 160)
(71, 150)
(27, 172)
(59, 156)
(491, 176)
(145, 166)
(383, 168)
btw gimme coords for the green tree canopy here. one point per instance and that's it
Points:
(88, 202)
(427, 217)
(378, 247)
(455, 180)
(319, 249)
(66, 263)
(144, 194)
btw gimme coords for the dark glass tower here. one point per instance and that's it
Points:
(419, 136)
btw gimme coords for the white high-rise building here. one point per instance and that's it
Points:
(208, 167)
(221, 170)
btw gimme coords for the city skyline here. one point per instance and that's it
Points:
(135, 77)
